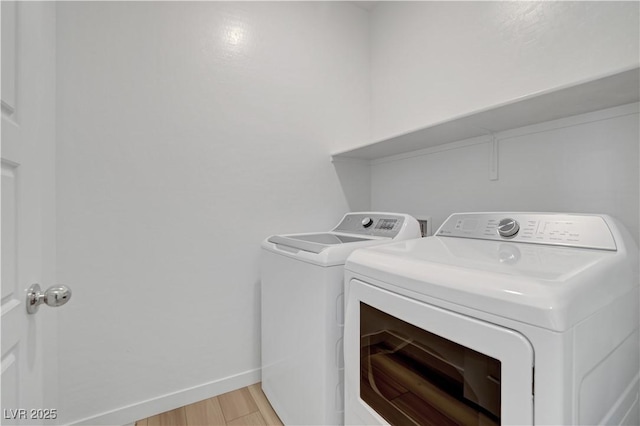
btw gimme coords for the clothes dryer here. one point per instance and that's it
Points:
(302, 313)
(500, 318)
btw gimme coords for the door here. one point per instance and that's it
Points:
(408, 362)
(27, 209)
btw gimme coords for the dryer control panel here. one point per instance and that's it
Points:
(573, 230)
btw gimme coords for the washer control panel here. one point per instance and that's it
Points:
(375, 224)
(574, 230)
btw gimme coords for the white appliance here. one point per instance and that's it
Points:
(500, 318)
(303, 316)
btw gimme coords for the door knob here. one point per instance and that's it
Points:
(54, 296)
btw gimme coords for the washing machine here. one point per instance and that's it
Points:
(499, 318)
(303, 316)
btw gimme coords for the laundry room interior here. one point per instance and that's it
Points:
(174, 138)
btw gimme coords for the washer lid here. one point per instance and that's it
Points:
(548, 286)
(355, 230)
(314, 243)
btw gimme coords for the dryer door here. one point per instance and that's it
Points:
(408, 362)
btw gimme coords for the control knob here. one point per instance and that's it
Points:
(367, 222)
(508, 227)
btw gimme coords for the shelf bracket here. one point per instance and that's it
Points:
(493, 158)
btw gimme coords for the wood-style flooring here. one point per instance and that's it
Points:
(246, 406)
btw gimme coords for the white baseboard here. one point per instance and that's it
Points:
(129, 414)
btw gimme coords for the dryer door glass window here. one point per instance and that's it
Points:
(410, 376)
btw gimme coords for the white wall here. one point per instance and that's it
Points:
(583, 164)
(187, 133)
(435, 60)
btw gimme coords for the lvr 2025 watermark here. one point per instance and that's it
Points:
(30, 414)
